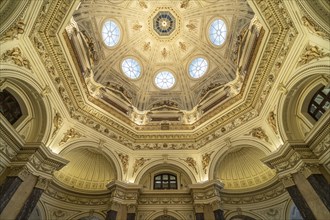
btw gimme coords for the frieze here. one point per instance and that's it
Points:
(76, 198)
(249, 198)
(6, 149)
(322, 147)
(279, 32)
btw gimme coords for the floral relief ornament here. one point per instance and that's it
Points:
(191, 162)
(206, 158)
(139, 163)
(14, 31)
(71, 133)
(259, 133)
(15, 55)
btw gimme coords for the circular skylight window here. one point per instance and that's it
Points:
(165, 80)
(131, 68)
(217, 33)
(198, 67)
(110, 33)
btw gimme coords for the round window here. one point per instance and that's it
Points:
(165, 80)
(217, 32)
(110, 33)
(131, 68)
(198, 67)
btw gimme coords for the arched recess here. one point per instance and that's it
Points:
(88, 216)
(234, 145)
(240, 168)
(243, 215)
(170, 213)
(104, 150)
(184, 175)
(90, 168)
(35, 125)
(295, 122)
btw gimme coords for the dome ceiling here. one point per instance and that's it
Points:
(163, 62)
(88, 169)
(242, 169)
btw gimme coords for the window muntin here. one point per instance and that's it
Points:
(217, 32)
(319, 103)
(198, 67)
(110, 33)
(165, 181)
(164, 80)
(131, 68)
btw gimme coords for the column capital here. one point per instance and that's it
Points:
(287, 181)
(290, 158)
(20, 171)
(42, 183)
(309, 169)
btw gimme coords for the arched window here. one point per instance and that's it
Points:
(9, 107)
(165, 181)
(319, 103)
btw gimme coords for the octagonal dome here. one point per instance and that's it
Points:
(166, 36)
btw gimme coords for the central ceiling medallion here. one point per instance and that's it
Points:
(164, 23)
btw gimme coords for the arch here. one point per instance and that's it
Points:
(96, 146)
(293, 104)
(231, 215)
(170, 166)
(88, 216)
(157, 214)
(234, 145)
(35, 127)
(39, 212)
(291, 211)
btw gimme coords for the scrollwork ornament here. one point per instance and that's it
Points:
(191, 162)
(139, 163)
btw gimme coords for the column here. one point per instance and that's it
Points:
(131, 210)
(318, 182)
(297, 198)
(217, 210)
(199, 212)
(33, 199)
(11, 184)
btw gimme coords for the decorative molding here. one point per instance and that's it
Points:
(70, 134)
(259, 133)
(124, 158)
(14, 32)
(191, 162)
(57, 123)
(15, 55)
(312, 53)
(271, 119)
(139, 163)
(206, 158)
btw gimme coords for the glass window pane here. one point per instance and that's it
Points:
(165, 80)
(326, 91)
(198, 67)
(172, 177)
(157, 178)
(318, 99)
(131, 68)
(318, 115)
(312, 108)
(217, 32)
(326, 105)
(165, 177)
(110, 33)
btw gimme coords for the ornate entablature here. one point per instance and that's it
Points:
(114, 124)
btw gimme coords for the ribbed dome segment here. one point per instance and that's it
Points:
(243, 169)
(87, 169)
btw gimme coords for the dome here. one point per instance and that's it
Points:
(88, 169)
(242, 169)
